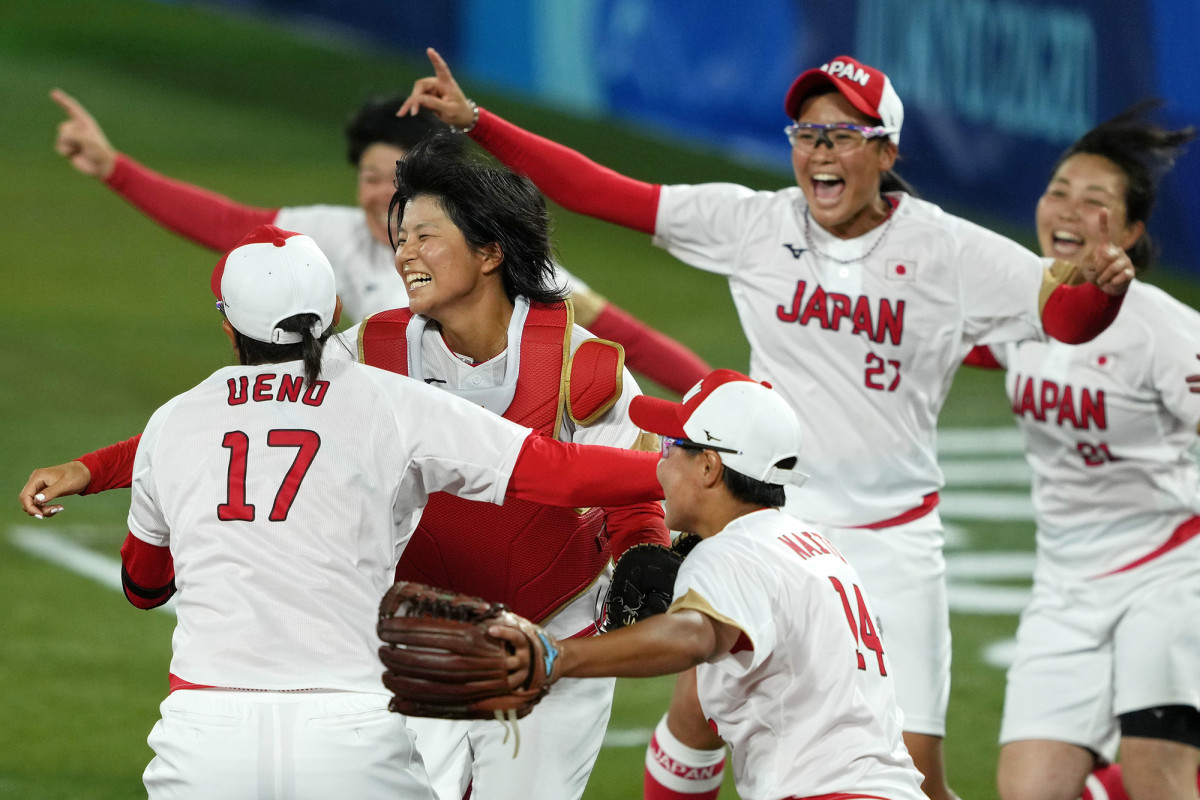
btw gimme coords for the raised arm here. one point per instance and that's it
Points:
(206, 218)
(1088, 298)
(565, 176)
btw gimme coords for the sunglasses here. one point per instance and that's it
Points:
(669, 443)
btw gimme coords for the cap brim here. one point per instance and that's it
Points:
(655, 415)
(803, 86)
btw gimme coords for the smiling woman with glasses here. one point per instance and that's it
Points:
(858, 300)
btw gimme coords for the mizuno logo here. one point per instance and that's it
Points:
(796, 251)
(711, 438)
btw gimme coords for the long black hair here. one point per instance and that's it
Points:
(490, 205)
(376, 121)
(309, 349)
(1144, 152)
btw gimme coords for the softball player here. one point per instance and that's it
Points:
(282, 491)
(791, 670)
(490, 327)
(858, 304)
(1109, 648)
(354, 239)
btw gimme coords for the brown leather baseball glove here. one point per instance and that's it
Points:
(441, 662)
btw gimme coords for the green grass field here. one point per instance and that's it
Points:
(108, 316)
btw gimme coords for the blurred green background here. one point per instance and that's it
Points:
(108, 316)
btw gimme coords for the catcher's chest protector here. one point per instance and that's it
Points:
(533, 558)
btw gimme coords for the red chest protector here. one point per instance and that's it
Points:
(532, 557)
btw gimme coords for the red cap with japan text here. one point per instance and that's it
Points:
(869, 90)
(752, 427)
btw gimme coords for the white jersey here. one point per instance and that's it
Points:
(364, 269)
(810, 709)
(1107, 427)
(286, 511)
(861, 336)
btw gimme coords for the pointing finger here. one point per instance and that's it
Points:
(69, 104)
(440, 67)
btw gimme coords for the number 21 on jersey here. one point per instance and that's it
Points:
(860, 625)
(238, 443)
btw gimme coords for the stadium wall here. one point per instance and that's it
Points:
(993, 89)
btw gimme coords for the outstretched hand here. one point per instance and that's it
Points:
(1107, 265)
(48, 483)
(440, 94)
(81, 140)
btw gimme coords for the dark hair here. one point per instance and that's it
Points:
(743, 487)
(1144, 152)
(309, 349)
(751, 490)
(490, 205)
(376, 121)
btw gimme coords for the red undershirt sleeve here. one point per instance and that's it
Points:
(111, 467)
(1078, 314)
(568, 177)
(640, 523)
(570, 475)
(982, 358)
(147, 573)
(652, 353)
(205, 217)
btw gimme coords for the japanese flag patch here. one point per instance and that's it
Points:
(901, 270)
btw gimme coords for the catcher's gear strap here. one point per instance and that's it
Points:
(594, 380)
(545, 355)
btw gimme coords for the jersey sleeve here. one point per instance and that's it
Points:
(146, 519)
(1000, 285)
(1174, 355)
(454, 445)
(703, 225)
(716, 580)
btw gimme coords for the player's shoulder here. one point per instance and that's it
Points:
(322, 221)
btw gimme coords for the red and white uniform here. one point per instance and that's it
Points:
(1107, 428)
(809, 707)
(560, 743)
(285, 511)
(862, 337)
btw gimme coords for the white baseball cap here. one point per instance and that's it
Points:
(270, 276)
(747, 422)
(868, 89)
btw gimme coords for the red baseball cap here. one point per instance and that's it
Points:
(868, 89)
(747, 422)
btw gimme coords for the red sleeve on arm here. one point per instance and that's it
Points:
(111, 467)
(557, 473)
(1078, 314)
(652, 353)
(982, 358)
(635, 524)
(147, 573)
(568, 177)
(205, 217)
